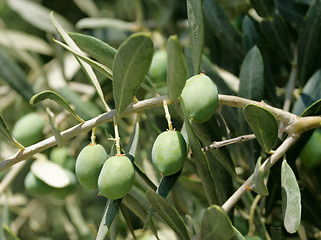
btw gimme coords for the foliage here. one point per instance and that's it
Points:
(86, 70)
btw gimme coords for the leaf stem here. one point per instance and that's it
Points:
(167, 115)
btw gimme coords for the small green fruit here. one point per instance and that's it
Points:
(88, 165)
(62, 193)
(61, 156)
(311, 153)
(199, 98)
(35, 186)
(116, 177)
(158, 67)
(169, 152)
(28, 129)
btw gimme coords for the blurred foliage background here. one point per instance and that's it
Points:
(31, 62)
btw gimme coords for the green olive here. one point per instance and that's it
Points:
(169, 152)
(61, 156)
(158, 67)
(28, 129)
(116, 177)
(62, 193)
(199, 98)
(35, 186)
(88, 165)
(311, 153)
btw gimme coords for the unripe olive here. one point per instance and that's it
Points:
(35, 186)
(61, 156)
(62, 193)
(169, 152)
(199, 98)
(28, 129)
(116, 177)
(158, 67)
(88, 165)
(311, 153)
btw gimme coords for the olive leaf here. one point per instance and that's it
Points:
(50, 173)
(57, 98)
(263, 124)
(86, 67)
(216, 224)
(291, 199)
(221, 26)
(104, 54)
(95, 48)
(4, 131)
(131, 64)
(96, 65)
(250, 33)
(136, 207)
(258, 185)
(202, 164)
(308, 43)
(168, 213)
(252, 76)
(275, 32)
(196, 31)
(109, 214)
(310, 93)
(14, 76)
(176, 68)
(237, 235)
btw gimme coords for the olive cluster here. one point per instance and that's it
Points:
(199, 101)
(113, 176)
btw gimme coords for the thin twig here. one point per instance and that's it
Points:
(279, 152)
(218, 144)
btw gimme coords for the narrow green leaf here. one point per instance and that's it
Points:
(265, 8)
(54, 128)
(252, 76)
(263, 124)
(176, 69)
(9, 235)
(49, 172)
(311, 209)
(11, 73)
(291, 199)
(136, 207)
(168, 213)
(5, 131)
(95, 48)
(125, 213)
(310, 94)
(57, 98)
(131, 64)
(86, 67)
(165, 186)
(276, 34)
(196, 31)
(237, 235)
(250, 33)
(258, 185)
(109, 214)
(104, 54)
(216, 224)
(291, 11)
(223, 29)
(202, 165)
(309, 43)
(133, 142)
(143, 175)
(96, 65)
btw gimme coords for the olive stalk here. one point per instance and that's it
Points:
(93, 136)
(167, 115)
(117, 138)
